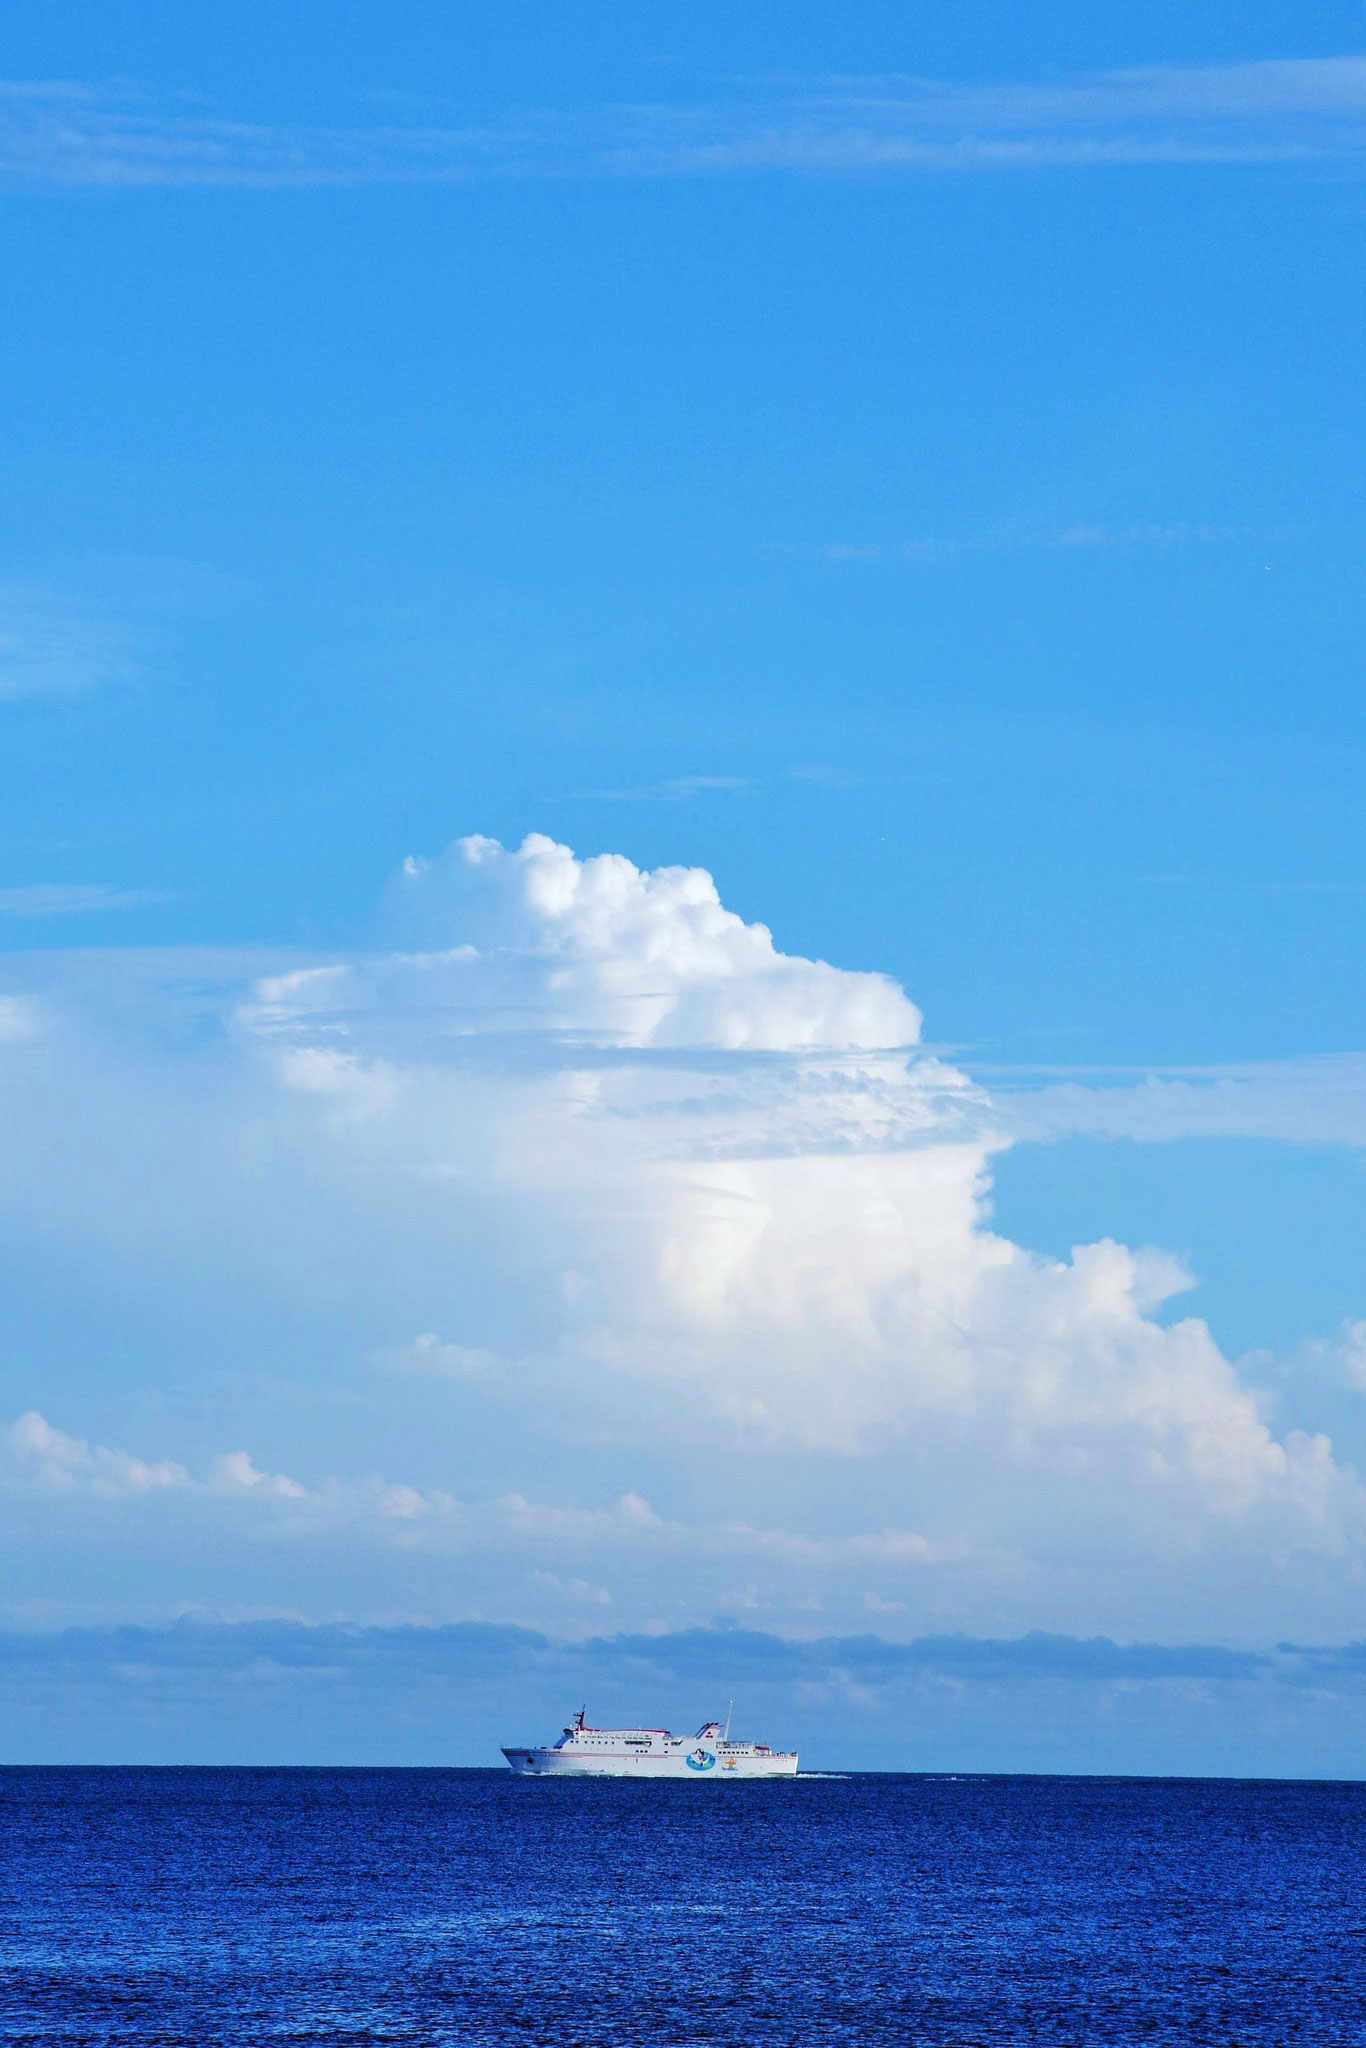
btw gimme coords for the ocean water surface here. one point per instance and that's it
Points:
(202, 1907)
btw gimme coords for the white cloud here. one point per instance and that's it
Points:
(806, 1261)
(39, 1458)
(71, 899)
(45, 1457)
(38, 1455)
(19, 1018)
(677, 787)
(1351, 1351)
(807, 1254)
(233, 1472)
(51, 646)
(1007, 541)
(1321, 1100)
(629, 1519)
(657, 1194)
(1338, 1361)
(535, 940)
(575, 1589)
(1290, 111)
(429, 1358)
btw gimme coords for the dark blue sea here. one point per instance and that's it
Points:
(199, 1907)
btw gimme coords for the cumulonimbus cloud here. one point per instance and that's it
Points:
(583, 1143)
(808, 1253)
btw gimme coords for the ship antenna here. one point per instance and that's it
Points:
(729, 1705)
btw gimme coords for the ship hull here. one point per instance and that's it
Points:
(554, 1763)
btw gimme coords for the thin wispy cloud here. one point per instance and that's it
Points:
(52, 646)
(1084, 536)
(677, 789)
(73, 899)
(826, 778)
(1285, 112)
(102, 619)
(1304, 1101)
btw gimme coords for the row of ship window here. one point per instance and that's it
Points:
(643, 1742)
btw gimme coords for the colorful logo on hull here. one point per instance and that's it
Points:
(701, 1760)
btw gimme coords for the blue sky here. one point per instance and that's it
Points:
(903, 462)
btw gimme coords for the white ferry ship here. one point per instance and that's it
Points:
(584, 1752)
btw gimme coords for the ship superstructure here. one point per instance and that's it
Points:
(651, 1753)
